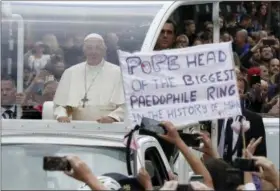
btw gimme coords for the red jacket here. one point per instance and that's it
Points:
(39, 108)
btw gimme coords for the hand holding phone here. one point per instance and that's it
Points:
(269, 42)
(153, 126)
(246, 165)
(255, 80)
(191, 140)
(184, 187)
(196, 178)
(53, 163)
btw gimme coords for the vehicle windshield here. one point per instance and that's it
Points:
(22, 165)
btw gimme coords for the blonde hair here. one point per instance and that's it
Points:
(264, 83)
(273, 78)
(51, 41)
(237, 71)
(184, 36)
(236, 59)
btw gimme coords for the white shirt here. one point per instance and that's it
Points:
(37, 64)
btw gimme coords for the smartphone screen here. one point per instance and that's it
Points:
(198, 178)
(190, 139)
(255, 80)
(246, 165)
(184, 187)
(152, 126)
(269, 42)
(51, 163)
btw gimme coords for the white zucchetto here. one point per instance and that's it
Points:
(94, 35)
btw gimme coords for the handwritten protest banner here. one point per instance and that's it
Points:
(181, 85)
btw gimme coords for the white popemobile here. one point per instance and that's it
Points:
(25, 142)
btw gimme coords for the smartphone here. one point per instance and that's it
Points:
(269, 42)
(153, 126)
(190, 139)
(184, 187)
(255, 80)
(196, 178)
(51, 163)
(247, 165)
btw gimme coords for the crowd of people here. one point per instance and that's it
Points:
(217, 174)
(256, 52)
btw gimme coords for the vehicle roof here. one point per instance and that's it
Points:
(75, 128)
(79, 133)
(83, 133)
(74, 133)
(84, 9)
(271, 121)
(97, 2)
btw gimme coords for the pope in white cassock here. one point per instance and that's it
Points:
(91, 90)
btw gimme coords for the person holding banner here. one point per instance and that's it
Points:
(229, 142)
(91, 90)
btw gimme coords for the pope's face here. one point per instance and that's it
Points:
(94, 49)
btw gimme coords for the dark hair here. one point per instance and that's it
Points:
(221, 177)
(169, 21)
(207, 23)
(53, 61)
(189, 22)
(206, 36)
(246, 84)
(8, 78)
(230, 18)
(245, 17)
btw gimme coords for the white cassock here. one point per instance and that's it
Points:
(104, 92)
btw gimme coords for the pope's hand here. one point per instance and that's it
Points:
(106, 119)
(63, 119)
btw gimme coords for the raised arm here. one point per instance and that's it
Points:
(195, 163)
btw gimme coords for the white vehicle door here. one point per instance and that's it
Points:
(151, 152)
(272, 139)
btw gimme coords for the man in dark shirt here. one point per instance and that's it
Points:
(245, 23)
(111, 41)
(190, 29)
(74, 54)
(167, 36)
(241, 45)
